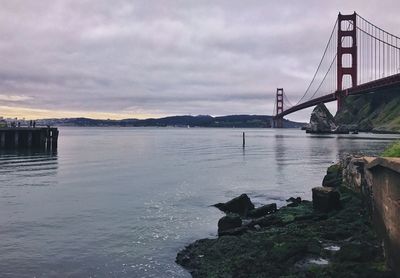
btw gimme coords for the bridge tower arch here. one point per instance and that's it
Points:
(278, 121)
(351, 70)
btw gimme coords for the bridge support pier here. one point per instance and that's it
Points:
(341, 97)
(278, 122)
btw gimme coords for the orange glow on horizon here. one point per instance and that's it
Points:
(31, 113)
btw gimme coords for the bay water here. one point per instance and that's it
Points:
(121, 202)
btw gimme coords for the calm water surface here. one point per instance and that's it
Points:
(121, 202)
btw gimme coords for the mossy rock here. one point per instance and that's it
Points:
(333, 177)
(275, 251)
(358, 252)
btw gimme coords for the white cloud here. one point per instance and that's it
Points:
(166, 57)
(14, 98)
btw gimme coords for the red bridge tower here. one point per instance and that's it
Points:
(351, 70)
(278, 121)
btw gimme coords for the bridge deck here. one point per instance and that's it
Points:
(380, 84)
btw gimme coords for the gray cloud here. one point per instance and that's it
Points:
(166, 57)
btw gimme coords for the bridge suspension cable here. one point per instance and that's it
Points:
(287, 100)
(379, 52)
(327, 47)
(324, 80)
(365, 57)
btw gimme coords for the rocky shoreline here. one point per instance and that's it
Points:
(323, 122)
(330, 236)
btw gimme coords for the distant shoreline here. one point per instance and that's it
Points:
(231, 121)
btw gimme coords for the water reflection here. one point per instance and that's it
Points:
(325, 150)
(127, 200)
(281, 150)
(28, 167)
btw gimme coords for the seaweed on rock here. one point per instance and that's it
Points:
(300, 242)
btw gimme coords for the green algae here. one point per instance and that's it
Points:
(333, 177)
(290, 246)
(392, 151)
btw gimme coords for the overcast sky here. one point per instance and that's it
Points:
(127, 59)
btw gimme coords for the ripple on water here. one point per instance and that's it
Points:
(121, 204)
(28, 169)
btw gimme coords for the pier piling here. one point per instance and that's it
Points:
(28, 137)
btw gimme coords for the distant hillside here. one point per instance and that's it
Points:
(376, 112)
(244, 121)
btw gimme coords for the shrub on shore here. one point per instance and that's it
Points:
(393, 150)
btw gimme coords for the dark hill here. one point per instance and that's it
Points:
(243, 121)
(377, 112)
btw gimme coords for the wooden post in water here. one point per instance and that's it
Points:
(43, 138)
(48, 138)
(3, 139)
(16, 139)
(29, 139)
(244, 140)
(54, 139)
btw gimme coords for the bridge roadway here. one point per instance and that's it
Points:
(380, 84)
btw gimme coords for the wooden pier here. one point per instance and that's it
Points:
(28, 138)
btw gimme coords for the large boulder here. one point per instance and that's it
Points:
(293, 202)
(240, 205)
(265, 221)
(229, 222)
(321, 120)
(333, 177)
(262, 211)
(325, 199)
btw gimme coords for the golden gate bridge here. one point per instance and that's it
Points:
(359, 58)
